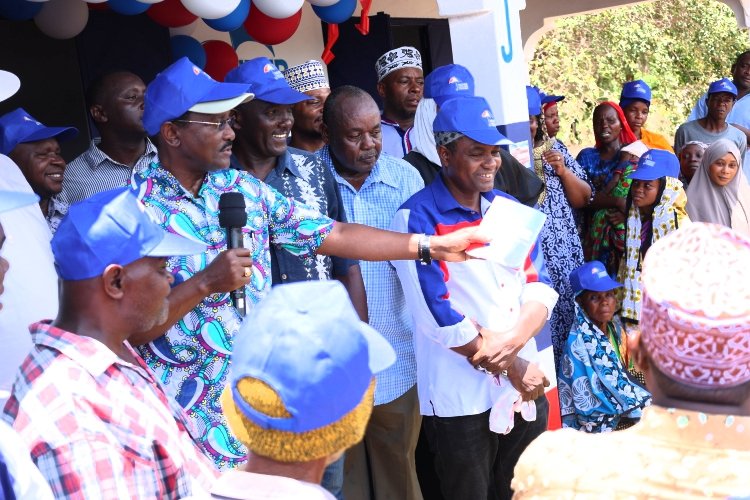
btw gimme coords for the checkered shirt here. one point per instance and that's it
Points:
(100, 427)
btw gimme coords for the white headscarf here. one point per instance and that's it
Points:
(728, 205)
(421, 135)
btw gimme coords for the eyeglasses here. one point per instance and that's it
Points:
(219, 125)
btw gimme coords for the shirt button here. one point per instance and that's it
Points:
(283, 276)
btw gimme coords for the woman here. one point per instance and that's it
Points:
(656, 207)
(607, 169)
(596, 393)
(719, 192)
(565, 187)
(690, 157)
(635, 101)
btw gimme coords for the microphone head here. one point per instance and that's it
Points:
(232, 210)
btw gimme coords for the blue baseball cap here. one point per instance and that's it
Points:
(266, 82)
(447, 82)
(306, 342)
(549, 98)
(637, 89)
(184, 87)
(112, 227)
(723, 85)
(534, 100)
(10, 200)
(470, 116)
(19, 126)
(592, 276)
(655, 164)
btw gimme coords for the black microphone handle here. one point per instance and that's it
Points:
(235, 239)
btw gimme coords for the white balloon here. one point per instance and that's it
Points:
(323, 3)
(211, 9)
(279, 9)
(62, 19)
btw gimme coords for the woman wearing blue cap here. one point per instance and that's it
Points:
(596, 393)
(635, 101)
(656, 207)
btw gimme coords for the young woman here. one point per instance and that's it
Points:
(635, 101)
(719, 192)
(690, 157)
(596, 391)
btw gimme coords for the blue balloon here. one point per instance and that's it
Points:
(128, 7)
(233, 20)
(187, 46)
(19, 10)
(337, 13)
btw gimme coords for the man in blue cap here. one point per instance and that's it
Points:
(720, 100)
(190, 115)
(96, 421)
(473, 313)
(35, 148)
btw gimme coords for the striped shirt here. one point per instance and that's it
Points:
(99, 427)
(93, 172)
(391, 183)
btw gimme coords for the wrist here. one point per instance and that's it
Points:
(424, 254)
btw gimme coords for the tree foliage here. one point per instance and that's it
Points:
(677, 46)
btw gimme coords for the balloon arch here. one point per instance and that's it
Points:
(269, 22)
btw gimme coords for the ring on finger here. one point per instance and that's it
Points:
(247, 272)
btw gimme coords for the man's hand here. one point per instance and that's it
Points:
(527, 379)
(497, 351)
(230, 270)
(452, 247)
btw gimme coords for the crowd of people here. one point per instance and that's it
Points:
(418, 374)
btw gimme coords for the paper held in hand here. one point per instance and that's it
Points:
(513, 229)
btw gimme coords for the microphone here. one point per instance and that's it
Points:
(232, 217)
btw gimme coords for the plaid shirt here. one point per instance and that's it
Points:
(100, 427)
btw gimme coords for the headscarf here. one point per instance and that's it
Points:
(421, 135)
(728, 205)
(626, 134)
(668, 215)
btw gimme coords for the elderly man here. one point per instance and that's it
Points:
(325, 401)
(189, 113)
(35, 148)
(693, 442)
(115, 102)
(95, 420)
(373, 186)
(400, 86)
(478, 310)
(310, 79)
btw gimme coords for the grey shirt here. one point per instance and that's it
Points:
(692, 131)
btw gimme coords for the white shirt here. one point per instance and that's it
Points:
(241, 485)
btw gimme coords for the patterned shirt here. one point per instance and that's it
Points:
(391, 182)
(100, 427)
(192, 358)
(93, 172)
(57, 209)
(300, 175)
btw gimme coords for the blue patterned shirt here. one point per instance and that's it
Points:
(192, 358)
(391, 183)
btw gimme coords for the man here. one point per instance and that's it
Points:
(635, 101)
(259, 150)
(189, 113)
(739, 116)
(325, 400)
(115, 103)
(95, 420)
(693, 441)
(373, 186)
(309, 78)
(714, 126)
(400, 86)
(34, 147)
(477, 310)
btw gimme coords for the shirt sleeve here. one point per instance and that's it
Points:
(335, 212)
(699, 110)
(679, 138)
(538, 287)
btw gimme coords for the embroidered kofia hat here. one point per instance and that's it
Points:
(402, 57)
(307, 76)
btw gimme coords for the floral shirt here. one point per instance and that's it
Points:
(192, 358)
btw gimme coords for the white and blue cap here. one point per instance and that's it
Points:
(308, 76)
(655, 164)
(266, 82)
(447, 82)
(472, 117)
(10, 200)
(637, 89)
(184, 87)
(723, 85)
(534, 100)
(305, 341)
(592, 276)
(19, 127)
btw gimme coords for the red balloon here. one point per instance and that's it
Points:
(220, 59)
(268, 30)
(171, 13)
(98, 6)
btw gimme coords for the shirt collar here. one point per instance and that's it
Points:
(445, 202)
(283, 162)
(156, 173)
(95, 156)
(384, 170)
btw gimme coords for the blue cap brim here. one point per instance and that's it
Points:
(603, 285)
(174, 245)
(552, 98)
(10, 200)
(62, 134)
(488, 136)
(282, 96)
(649, 174)
(222, 91)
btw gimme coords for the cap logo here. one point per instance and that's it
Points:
(454, 79)
(601, 274)
(649, 162)
(488, 116)
(196, 70)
